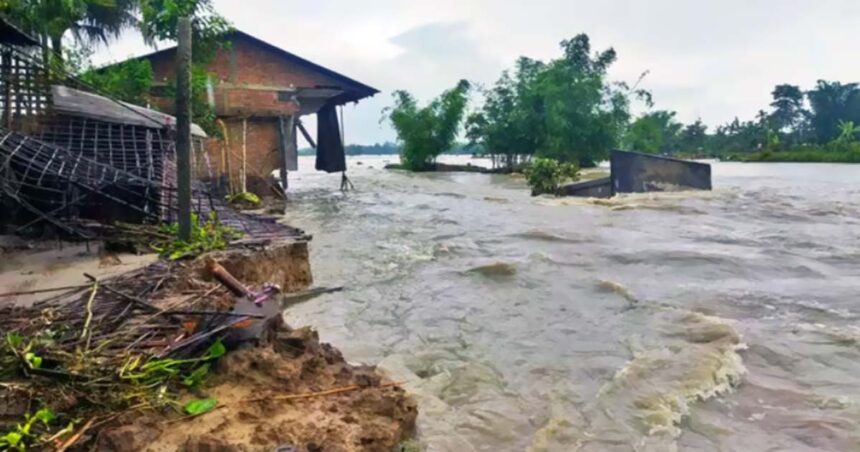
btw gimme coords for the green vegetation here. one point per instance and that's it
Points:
(129, 81)
(29, 432)
(244, 200)
(101, 20)
(548, 175)
(202, 406)
(208, 28)
(205, 236)
(426, 132)
(817, 125)
(87, 21)
(127, 383)
(831, 153)
(161, 16)
(565, 109)
(568, 110)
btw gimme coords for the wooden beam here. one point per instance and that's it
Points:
(183, 126)
(243, 175)
(306, 134)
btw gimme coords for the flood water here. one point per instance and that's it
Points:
(706, 321)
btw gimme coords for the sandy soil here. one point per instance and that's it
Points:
(365, 413)
(370, 416)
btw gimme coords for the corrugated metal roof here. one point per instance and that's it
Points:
(81, 103)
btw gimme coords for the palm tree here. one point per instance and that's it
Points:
(847, 131)
(89, 21)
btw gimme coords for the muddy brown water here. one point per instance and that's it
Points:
(706, 321)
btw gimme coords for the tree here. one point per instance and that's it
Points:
(547, 175)
(510, 126)
(565, 110)
(657, 132)
(160, 18)
(89, 21)
(693, 138)
(584, 114)
(832, 102)
(429, 131)
(847, 132)
(129, 81)
(788, 112)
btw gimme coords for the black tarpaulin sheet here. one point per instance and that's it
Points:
(331, 157)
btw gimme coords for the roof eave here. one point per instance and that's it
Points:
(362, 91)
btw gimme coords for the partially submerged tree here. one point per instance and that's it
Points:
(510, 126)
(546, 176)
(426, 132)
(565, 109)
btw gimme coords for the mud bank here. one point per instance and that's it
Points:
(291, 393)
(281, 390)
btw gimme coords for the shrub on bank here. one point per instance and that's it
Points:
(548, 175)
(833, 152)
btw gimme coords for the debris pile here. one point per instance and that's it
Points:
(105, 355)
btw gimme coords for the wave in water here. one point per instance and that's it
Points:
(646, 400)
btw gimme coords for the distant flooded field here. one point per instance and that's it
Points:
(724, 320)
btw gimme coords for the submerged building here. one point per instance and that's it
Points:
(260, 93)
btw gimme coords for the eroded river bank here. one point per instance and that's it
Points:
(722, 320)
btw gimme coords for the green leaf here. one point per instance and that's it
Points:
(216, 350)
(14, 340)
(45, 415)
(12, 439)
(34, 360)
(196, 377)
(198, 407)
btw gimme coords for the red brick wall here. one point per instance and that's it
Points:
(262, 157)
(247, 80)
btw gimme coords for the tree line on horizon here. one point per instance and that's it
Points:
(825, 117)
(567, 110)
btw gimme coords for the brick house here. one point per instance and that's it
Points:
(260, 92)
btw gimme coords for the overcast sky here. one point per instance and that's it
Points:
(708, 59)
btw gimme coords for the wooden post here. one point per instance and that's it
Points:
(291, 147)
(287, 129)
(226, 156)
(243, 174)
(183, 126)
(7, 89)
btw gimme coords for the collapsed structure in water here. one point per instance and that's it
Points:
(634, 172)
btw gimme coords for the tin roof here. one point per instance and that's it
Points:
(81, 103)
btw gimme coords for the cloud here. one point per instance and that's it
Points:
(714, 60)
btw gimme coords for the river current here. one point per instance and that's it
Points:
(701, 321)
